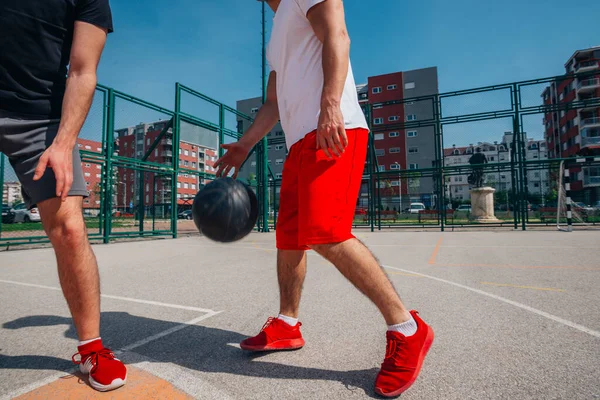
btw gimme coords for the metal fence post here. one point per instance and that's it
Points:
(439, 159)
(108, 181)
(175, 165)
(1, 186)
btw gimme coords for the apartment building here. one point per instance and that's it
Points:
(576, 132)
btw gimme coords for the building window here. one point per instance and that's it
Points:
(413, 150)
(193, 186)
(382, 168)
(394, 150)
(185, 163)
(413, 166)
(186, 186)
(193, 154)
(378, 121)
(147, 187)
(87, 165)
(409, 85)
(253, 164)
(378, 136)
(279, 161)
(178, 185)
(279, 147)
(156, 153)
(379, 152)
(254, 110)
(377, 90)
(193, 165)
(411, 117)
(148, 142)
(87, 184)
(377, 106)
(87, 174)
(394, 166)
(393, 118)
(186, 153)
(278, 176)
(392, 87)
(492, 158)
(394, 134)
(536, 184)
(97, 175)
(279, 133)
(411, 133)
(88, 147)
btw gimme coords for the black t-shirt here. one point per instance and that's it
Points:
(35, 48)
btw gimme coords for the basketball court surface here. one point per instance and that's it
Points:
(516, 316)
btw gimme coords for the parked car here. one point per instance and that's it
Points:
(597, 206)
(583, 209)
(8, 215)
(415, 208)
(22, 214)
(187, 214)
(464, 208)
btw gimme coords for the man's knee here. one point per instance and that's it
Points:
(67, 231)
(63, 222)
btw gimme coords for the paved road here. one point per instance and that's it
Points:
(515, 315)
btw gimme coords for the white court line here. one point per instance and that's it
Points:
(174, 329)
(505, 300)
(108, 296)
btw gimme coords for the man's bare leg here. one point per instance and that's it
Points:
(359, 266)
(77, 267)
(291, 271)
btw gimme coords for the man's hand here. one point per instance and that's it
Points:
(60, 159)
(331, 132)
(233, 159)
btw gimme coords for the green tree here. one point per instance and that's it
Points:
(18, 200)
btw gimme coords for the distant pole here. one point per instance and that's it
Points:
(264, 153)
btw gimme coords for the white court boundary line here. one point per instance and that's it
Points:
(544, 314)
(35, 385)
(108, 296)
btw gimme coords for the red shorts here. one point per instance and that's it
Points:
(318, 195)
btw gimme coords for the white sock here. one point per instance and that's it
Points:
(87, 341)
(288, 320)
(407, 328)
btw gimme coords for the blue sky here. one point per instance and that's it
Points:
(214, 46)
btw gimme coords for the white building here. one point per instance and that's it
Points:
(457, 186)
(11, 193)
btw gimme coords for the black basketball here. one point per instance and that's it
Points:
(225, 210)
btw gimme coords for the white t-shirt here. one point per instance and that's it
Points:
(296, 55)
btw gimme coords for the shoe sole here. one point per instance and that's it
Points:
(280, 345)
(115, 384)
(426, 346)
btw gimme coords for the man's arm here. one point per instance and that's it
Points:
(88, 43)
(328, 22)
(265, 120)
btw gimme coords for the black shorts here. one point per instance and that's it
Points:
(24, 142)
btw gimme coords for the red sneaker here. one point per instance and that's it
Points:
(275, 335)
(403, 359)
(105, 371)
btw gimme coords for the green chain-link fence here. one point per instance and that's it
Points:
(143, 163)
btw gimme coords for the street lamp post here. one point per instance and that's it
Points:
(399, 189)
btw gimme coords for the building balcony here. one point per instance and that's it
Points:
(589, 65)
(166, 153)
(169, 142)
(589, 107)
(590, 122)
(588, 85)
(590, 137)
(591, 181)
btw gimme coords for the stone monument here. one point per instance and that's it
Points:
(482, 197)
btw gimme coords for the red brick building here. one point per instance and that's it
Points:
(577, 132)
(92, 173)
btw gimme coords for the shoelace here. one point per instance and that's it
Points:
(94, 357)
(395, 351)
(266, 325)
